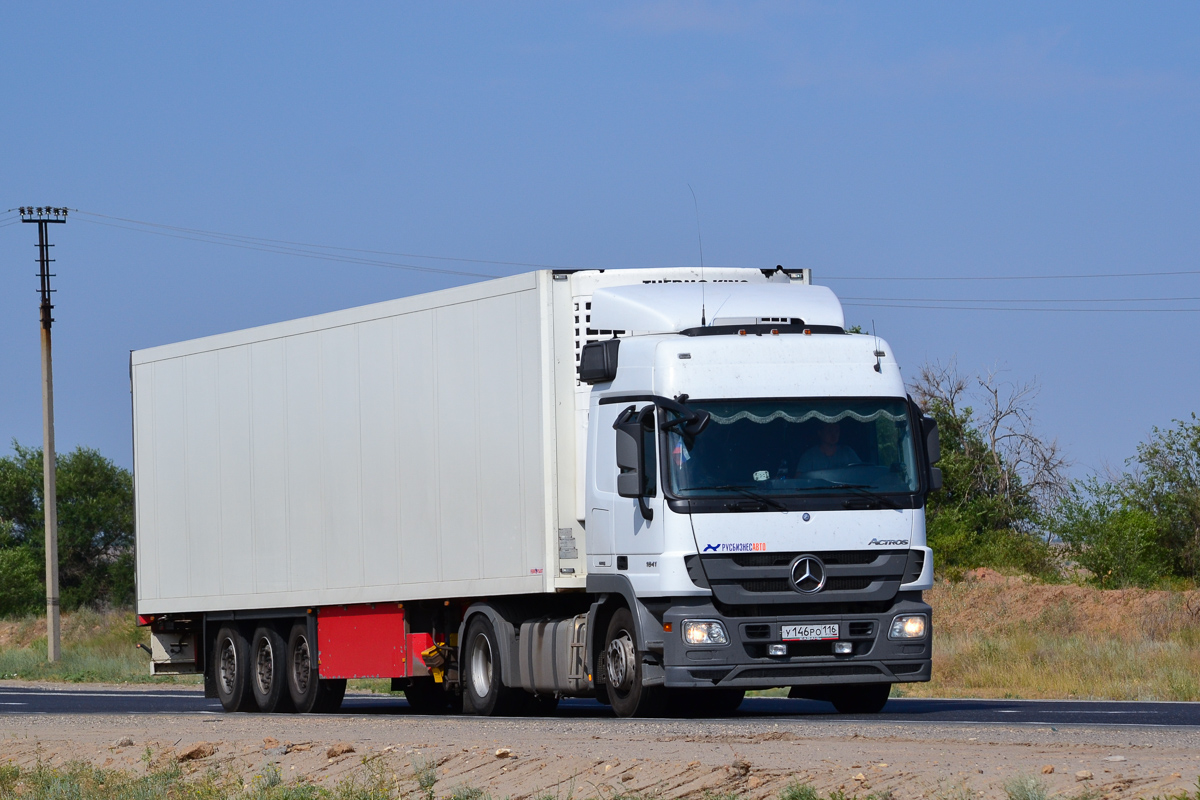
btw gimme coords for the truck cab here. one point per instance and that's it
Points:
(755, 489)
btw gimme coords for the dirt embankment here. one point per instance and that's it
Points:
(987, 602)
(525, 758)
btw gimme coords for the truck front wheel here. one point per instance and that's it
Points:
(231, 668)
(484, 692)
(623, 671)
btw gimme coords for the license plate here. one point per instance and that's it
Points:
(809, 633)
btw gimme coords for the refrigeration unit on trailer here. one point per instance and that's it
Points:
(651, 487)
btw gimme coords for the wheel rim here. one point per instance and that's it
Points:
(264, 666)
(481, 666)
(301, 666)
(227, 673)
(620, 662)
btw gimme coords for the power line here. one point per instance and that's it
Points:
(992, 300)
(993, 308)
(1010, 277)
(321, 252)
(240, 237)
(301, 253)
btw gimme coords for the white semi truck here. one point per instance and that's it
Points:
(658, 488)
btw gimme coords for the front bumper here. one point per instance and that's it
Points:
(744, 662)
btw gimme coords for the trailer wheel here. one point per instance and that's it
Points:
(308, 691)
(484, 693)
(231, 662)
(268, 671)
(863, 698)
(623, 671)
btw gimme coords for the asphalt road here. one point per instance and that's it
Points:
(1005, 712)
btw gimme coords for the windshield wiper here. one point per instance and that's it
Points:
(753, 495)
(862, 490)
(858, 488)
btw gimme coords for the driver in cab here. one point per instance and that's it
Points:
(828, 453)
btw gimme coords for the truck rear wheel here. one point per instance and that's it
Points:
(484, 692)
(865, 698)
(268, 671)
(231, 667)
(308, 691)
(623, 671)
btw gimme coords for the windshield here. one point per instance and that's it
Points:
(795, 448)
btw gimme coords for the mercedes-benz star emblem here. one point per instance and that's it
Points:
(808, 574)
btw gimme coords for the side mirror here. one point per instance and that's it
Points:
(933, 442)
(631, 481)
(935, 479)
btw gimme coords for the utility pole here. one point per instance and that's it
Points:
(43, 216)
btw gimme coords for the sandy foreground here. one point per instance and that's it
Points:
(661, 758)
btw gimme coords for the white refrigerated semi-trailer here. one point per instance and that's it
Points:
(347, 495)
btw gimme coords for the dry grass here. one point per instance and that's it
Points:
(1011, 637)
(97, 646)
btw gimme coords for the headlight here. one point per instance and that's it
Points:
(704, 631)
(910, 626)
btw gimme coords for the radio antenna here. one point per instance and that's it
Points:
(700, 239)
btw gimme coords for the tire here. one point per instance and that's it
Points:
(484, 692)
(268, 671)
(865, 698)
(231, 668)
(701, 703)
(623, 671)
(308, 691)
(425, 696)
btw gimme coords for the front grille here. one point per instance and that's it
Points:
(830, 557)
(802, 609)
(744, 579)
(826, 671)
(847, 584)
(765, 585)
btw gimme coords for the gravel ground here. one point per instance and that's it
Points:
(664, 758)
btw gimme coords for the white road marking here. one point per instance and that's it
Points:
(67, 693)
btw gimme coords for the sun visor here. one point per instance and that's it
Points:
(669, 307)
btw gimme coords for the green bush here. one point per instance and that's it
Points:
(21, 586)
(1166, 485)
(1110, 536)
(95, 522)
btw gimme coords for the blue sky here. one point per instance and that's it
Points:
(881, 141)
